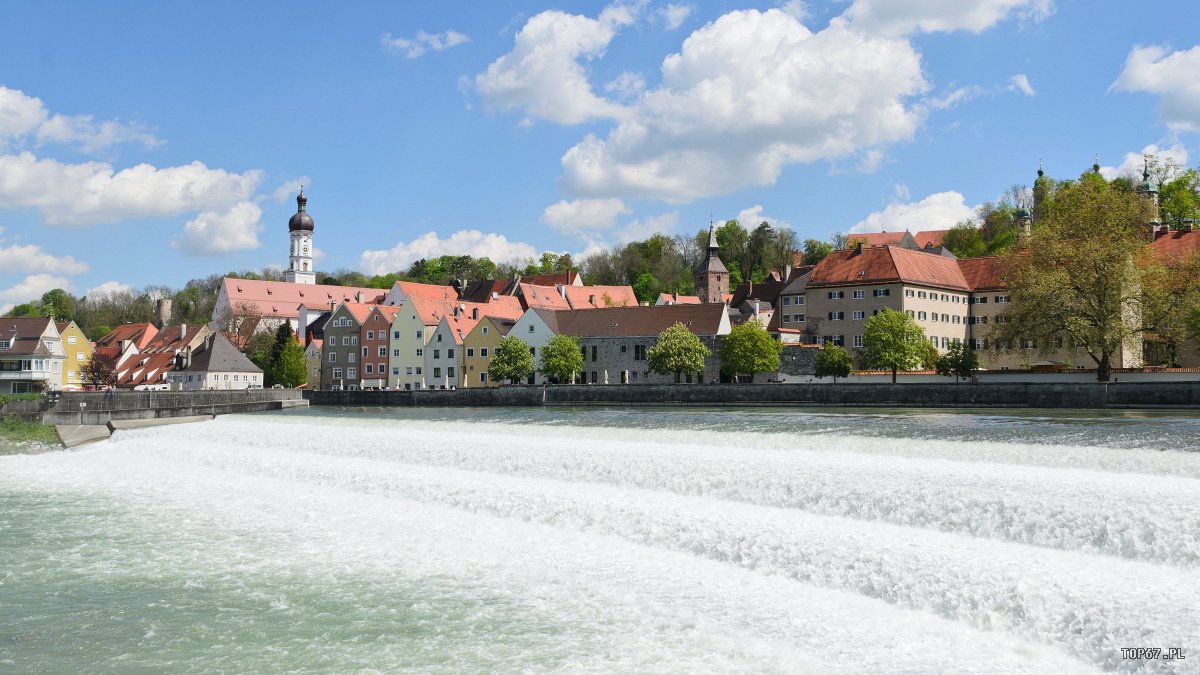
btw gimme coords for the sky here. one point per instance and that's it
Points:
(151, 143)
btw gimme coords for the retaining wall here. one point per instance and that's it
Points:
(100, 408)
(939, 395)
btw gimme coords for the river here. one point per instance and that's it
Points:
(608, 540)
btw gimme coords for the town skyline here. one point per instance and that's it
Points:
(505, 131)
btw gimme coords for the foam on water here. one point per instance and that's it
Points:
(341, 544)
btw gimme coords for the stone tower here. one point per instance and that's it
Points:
(712, 279)
(300, 231)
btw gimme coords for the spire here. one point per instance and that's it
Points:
(1096, 163)
(1146, 167)
(712, 237)
(1040, 172)
(301, 200)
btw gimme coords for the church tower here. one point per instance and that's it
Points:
(300, 230)
(1148, 190)
(712, 279)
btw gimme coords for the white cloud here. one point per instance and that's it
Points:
(1020, 82)
(32, 258)
(420, 43)
(31, 288)
(796, 8)
(1133, 162)
(108, 288)
(902, 17)
(939, 211)
(1173, 76)
(674, 15)
(218, 232)
(94, 192)
(626, 85)
(584, 215)
(474, 243)
(746, 95)
(543, 75)
(901, 191)
(24, 116)
(752, 217)
(288, 189)
(639, 230)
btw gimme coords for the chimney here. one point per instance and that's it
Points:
(495, 295)
(562, 290)
(592, 300)
(787, 273)
(182, 331)
(474, 312)
(358, 297)
(858, 247)
(1188, 225)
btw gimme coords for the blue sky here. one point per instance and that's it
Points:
(150, 143)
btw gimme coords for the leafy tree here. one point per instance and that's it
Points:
(1180, 198)
(560, 359)
(960, 361)
(58, 305)
(749, 349)
(511, 360)
(291, 369)
(840, 241)
(283, 335)
(646, 288)
(815, 251)
(833, 361)
(258, 348)
(98, 373)
(1077, 283)
(677, 351)
(893, 341)
(930, 358)
(965, 241)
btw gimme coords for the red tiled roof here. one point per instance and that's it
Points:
(876, 238)
(927, 237)
(553, 279)
(639, 321)
(584, 297)
(170, 338)
(140, 334)
(145, 369)
(1175, 245)
(279, 299)
(359, 311)
(664, 298)
(542, 297)
(887, 264)
(413, 289)
(430, 312)
(983, 273)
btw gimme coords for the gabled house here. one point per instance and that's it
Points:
(248, 306)
(340, 351)
(77, 352)
(312, 363)
(478, 348)
(375, 338)
(445, 354)
(31, 356)
(535, 327)
(215, 364)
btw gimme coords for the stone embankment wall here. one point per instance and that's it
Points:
(99, 408)
(1010, 395)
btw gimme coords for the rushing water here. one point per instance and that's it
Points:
(661, 540)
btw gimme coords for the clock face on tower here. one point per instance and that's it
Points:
(306, 248)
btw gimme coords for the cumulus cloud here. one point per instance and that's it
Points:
(752, 217)
(32, 258)
(936, 212)
(474, 243)
(218, 232)
(1020, 82)
(95, 192)
(108, 288)
(674, 15)
(903, 17)
(1170, 75)
(543, 75)
(30, 288)
(288, 189)
(1133, 162)
(23, 116)
(639, 230)
(417, 45)
(746, 95)
(626, 85)
(584, 215)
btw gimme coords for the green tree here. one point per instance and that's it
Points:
(1180, 198)
(97, 372)
(1078, 282)
(965, 241)
(677, 351)
(960, 361)
(815, 251)
(291, 370)
(646, 288)
(930, 358)
(283, 336)
(749, 349)
(893, 341)
(511, 360)
(560, 358)
(833, 361)
(258, 349)
(58, 304)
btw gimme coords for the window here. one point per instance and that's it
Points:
(418, 335)
(351, 373)
(1028, 344)
(921, 295)
(396, 370)
(945, 318)
(979, 344)
(450, 353)
(368, 369)
(483, 375)
(371, 333)
(957, 318)
(593, 352)
(798, 318)
(836, 316)
(483, 351)
(450, 371)
(350, 357)
(981, 300)
(787, 318)
(337, 372)
(364, 352)
(859, 295)
(945, 343)
(858, 341)
(945, 298)
(883, 292)
(437, 353)
(933, 340)
(79, 356)
(957, 299)
(839, 340)
(418, 370)
(485, 333)
(979, 319)
(437, 372)
(837, 295)
(908, 293)
(470, 352)
(4, 344)
(345, 340)
(787, 300)
(799, 300)
(622, 349)
(70, 374)
(639, 352)
(354, 340)
(1000, 318)
(396, 352)
(911, 314)
(439, 337)
(1001, 299)
(933, 317)
(858, 316)
(408, 370)
(395, 335)
(530, 328)
(70, 339)
(420, 352)
(333, 357)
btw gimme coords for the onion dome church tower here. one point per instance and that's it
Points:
(1148, 190)
(300, 229)
(712, 278)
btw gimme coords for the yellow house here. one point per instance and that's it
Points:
(478, 347)
(78, 352)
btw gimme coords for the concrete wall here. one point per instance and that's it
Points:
(99, 408)
(936, 395)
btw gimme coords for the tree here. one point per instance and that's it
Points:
(560, 358)
(1179, 198)
(98, 373)
(833, 361)
(58, 305)
(960, 361)
(965, 241)
(930, 358)
(258, 349)
(646, 288)
(283, 335)
(511, 360)
(815, 251)
(677, 351)
(893, 341)
(291, 369)
(1078, 282)
(749, 349)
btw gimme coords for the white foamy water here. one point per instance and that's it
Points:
(513, 542)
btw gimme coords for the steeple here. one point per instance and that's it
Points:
(300, 255)
(1148, 190)
(712, 277)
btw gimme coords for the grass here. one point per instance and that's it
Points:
(19, 436)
